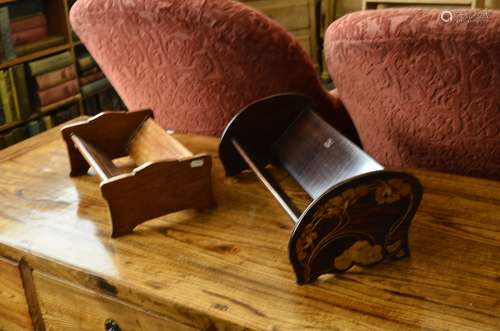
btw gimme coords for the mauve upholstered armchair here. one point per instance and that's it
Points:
(197, 63)
(422, 86)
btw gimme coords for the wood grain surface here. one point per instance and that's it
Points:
(14, 312)
(228, 268)
(92, 310)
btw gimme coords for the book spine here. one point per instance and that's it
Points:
(14, 136)
(54, 78)
(5, 95)
(5, 34)
(95, 87)
(9, 138)
(21, 87)
(2, 116)
(91, 78)
(47, 121)
(90, 106)
(39, 45)
(89, 72)
(48, 64)
(23, 8)
(34, 127)
(58, 92)
(27, 23)
(29, 36)
(72, 99)
(86, 62)
(105, 100)
(15, 99)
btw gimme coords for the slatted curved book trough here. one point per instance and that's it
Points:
(360, 213)
(166, 178)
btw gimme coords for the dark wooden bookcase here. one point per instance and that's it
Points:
(57, 13)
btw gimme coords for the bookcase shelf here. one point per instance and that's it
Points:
(62, 40)
(34, 56)
(95, 93)
(40, 113)
(60, 104)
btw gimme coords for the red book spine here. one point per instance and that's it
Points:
(27, 23)
(91, 78)
(57, 93)
(29, 36)
(54, 78)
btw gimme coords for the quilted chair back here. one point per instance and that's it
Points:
(422, 86)
(195, 63)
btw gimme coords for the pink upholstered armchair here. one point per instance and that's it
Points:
(422, 86)
(197, 63)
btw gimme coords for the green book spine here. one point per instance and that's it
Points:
(39, 45)
(86, 62)
(95, 87)
(20, 8)
(74, 111)
(50, 64)
(90, 106)
(47, 120)
(14, 136)
(34, 128)
(59, 117)
(5, 35)
(21, 87)
(13, 91)
(9, 138)
(6, 96)
(2, 116)
(20, 133)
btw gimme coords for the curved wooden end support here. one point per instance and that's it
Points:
(156, 189)
(257, 127)
(358, 222)
(108, 131)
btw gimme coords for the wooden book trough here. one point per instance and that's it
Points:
(359, 214)
(166, 178)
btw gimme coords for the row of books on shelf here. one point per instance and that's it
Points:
(104, 100)
(38, 125)
(40, 85)
(92, 79)
(24, 29)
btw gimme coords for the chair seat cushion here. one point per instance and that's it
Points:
(422, 86)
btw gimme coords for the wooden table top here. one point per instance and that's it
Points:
(228, 267)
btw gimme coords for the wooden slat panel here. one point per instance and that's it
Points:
(291, 14)
(67, 307)
(152, 143)
(14, 312)
(304, 39)
(100, 162)
(318, 157)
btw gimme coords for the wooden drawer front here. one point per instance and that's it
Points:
(14, 312)
(292, 14)
(67, 307)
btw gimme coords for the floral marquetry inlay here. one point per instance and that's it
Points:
(357, 224)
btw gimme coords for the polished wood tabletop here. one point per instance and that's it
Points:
(227, 268)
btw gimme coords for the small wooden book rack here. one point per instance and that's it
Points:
(166, 178)
(360, 212)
